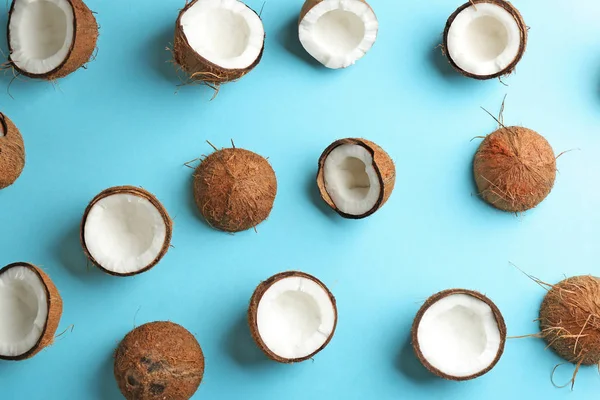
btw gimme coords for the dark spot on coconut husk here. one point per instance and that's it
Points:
(12, 152)
(159, 343)
(514, 169)
(234, 189)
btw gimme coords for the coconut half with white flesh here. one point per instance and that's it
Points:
(485, 39)
(458, 334)
(292, 316)
(125, 230)
(49, 39)
(218, 41)
(337, 33)
(356, 177)
(30, 310)
(12, 152)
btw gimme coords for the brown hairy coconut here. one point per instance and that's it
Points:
(485, 39)
(125, 230)
(458, 334)
(32, 309)
(356, 177)
(234, 189)
(217, 42)
(514, 169)
(63, 39)
(292, 316)
(12, 152)
(159, 360)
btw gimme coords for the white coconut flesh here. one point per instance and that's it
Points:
(124, 233)
(295, 317)
(338, 32)
(225, 32)
(459, 335)
(484, 39)
(23, 310)
(351, 180)
(41, 34)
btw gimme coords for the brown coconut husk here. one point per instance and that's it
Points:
(12, 152)
(85, 35)
(198, 68)
(139, 192)
(522, 46)
(253, 315)
(55, 308)
(234, 189)
(309, 4)
(384, 167)
(514, 168)
(159, 360)
(437, 297)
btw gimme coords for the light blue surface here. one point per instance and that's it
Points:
(119, 122)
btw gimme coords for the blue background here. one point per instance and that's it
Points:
(120, 122)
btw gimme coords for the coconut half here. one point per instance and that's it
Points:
(337, 33)
(49, 39)
(125, 230)
(30, 310)
(12, 152)
(356, 177)
(292, 316)
(458, 334)
(485, 39)
(218, 41)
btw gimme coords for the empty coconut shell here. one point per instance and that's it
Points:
(12, 152)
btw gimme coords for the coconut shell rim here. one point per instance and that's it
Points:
(140, 192)
(434, 299)
(253, 313)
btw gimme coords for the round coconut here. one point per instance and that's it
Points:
(84, 37)
(159, 360)
(54, 307)
(12, 152)
(234, 189)
(498, 319)
(138, 193)
(522, 28)
(570, 319)
(514, 169)
(382, 164)
(255, 300)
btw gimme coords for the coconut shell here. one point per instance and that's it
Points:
(12, 152)
(159, 360)
(135, 191)
(253, 314)
(522, 45)
(85, 35)
(309, 4)
(514, 169)
(384, 167)
(234, 189)
(55, 308)
(570, 319)
(198, 68)
(434, 299)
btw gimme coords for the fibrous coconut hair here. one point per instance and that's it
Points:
(12, 152)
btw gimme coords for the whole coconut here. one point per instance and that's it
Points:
(12, 152)
(159, 360)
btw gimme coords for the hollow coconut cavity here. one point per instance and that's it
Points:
(337, 33)
(356, 177)
(125, 230)
(292, 316)
(30, 310)
(458, 334)
(514, 169)
(485, 39)
(234, 189)
(50, 39)
(218, 41)
(159, 360)
(12, 152)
